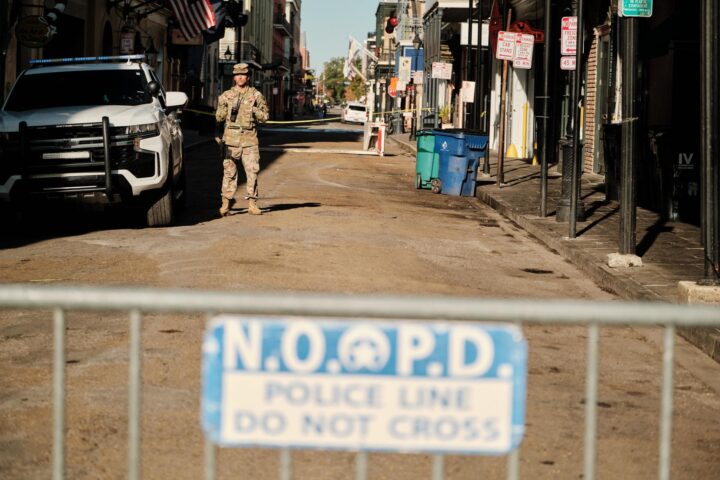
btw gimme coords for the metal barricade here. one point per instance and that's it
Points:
(559, 312)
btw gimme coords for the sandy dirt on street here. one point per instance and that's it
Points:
(333, 223)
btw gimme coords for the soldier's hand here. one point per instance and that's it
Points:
(218, 140)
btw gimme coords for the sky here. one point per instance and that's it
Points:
(328, 23)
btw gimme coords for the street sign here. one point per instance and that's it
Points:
(364, 385)
(441, 70)
(523, 50)
(505, 46)
(568, 35)
(635, 8)
(392, 88)
(567, 63)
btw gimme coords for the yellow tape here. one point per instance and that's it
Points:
(271, 121)
(313, 120)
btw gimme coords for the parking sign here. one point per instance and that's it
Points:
(364, 385)
(568, 35)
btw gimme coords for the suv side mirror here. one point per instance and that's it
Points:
(153, 88)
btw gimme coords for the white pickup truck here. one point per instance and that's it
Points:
(99, 130)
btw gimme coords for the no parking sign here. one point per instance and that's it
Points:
(364, 385)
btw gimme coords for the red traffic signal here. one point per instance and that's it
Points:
(391, 23)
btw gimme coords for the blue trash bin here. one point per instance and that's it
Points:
(459, 152)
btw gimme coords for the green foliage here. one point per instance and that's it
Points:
(357, 85)
(337, 86)
(334, 81)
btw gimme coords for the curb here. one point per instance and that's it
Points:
(705, 339)
(407, 147)
(597, 271)
(601, 274)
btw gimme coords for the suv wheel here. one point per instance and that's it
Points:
(160, 211)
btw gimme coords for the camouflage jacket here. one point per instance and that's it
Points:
(249, 108)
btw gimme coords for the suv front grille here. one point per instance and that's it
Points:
(70, 148)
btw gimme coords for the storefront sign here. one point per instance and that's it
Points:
(127, 42)
(568, 35)
(635, 8)
(33, 32)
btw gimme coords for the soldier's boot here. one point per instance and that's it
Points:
(225, 207)
(253, 208)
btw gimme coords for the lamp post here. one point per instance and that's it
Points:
(417, 43)
(228, 54)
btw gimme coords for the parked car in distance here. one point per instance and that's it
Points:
(354, 112)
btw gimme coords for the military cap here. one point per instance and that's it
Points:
(241, 69)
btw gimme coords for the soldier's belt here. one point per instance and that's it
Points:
(242, 130)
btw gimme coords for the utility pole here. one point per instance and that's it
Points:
(710, 112)
(629, 144)
(577, 153)
(545, 111)
(569, 207)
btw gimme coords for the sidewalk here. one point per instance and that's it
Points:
(671, 252)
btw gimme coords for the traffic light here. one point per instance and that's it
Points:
(391, 23)
(236, 13)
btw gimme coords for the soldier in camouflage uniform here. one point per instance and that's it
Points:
(240, 109)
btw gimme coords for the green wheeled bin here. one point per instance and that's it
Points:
(427, 160)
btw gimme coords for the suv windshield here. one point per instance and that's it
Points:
(358, 108)
(91, 87)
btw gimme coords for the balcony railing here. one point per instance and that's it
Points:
(386, 56)
(281, 24)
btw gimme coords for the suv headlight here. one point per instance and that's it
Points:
(138, 132)
(144, 128)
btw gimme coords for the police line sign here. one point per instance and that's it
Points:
(364, 385)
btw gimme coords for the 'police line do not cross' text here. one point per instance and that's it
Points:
(364, 386)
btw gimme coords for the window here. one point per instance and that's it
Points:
(91, 87)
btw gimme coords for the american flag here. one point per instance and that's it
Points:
(194, 16)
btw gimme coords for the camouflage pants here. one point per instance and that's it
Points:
(250, 157)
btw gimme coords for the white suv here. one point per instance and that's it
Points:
(93, 129)
(354, 112)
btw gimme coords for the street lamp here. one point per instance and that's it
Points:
(228, 54)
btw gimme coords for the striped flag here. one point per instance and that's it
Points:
(194, 16)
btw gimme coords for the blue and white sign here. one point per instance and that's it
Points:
(364, 385)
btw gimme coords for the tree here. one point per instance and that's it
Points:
(334, 79)
(357, 84)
